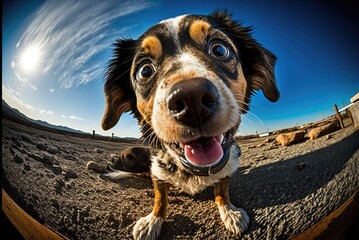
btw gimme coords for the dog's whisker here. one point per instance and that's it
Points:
(248, 122)
(150, 137)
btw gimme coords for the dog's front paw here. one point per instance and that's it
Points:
(147, 228)
(235, 219)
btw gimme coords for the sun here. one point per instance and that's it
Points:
(30, 58)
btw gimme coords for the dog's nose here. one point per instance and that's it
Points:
(192, 101)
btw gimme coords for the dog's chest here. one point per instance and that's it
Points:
(164, 168)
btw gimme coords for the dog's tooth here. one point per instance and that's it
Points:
(220, 138)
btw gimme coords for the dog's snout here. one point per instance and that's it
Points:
(192, 101)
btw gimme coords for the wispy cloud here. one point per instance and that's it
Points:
(14, 96)
(10, 93)
(73, 117)
(72, 33)
(43, 111)
(51, 90)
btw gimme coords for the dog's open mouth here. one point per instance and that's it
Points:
(204, 150)
(204, 156)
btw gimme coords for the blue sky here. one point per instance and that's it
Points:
(54, 54)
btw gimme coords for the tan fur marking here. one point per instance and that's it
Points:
(161, 198)
(239, 88)
(152, 45)
(221, 192)
(199, 30)
(179, 77)
(145, 107)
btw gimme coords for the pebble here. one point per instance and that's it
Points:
(92, 165)
(18, 159)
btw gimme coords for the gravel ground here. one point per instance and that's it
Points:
(285, 190)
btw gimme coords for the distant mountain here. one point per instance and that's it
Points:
(16, 116)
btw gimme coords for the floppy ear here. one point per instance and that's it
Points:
(258, 66)
(257, 62)
(119, 94)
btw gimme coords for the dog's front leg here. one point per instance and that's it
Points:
(235, 219)
(149, 227)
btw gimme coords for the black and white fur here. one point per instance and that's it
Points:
(145, 75)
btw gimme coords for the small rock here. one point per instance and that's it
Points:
(16, 142)
(34, 156)
(53, 149)
(42, 146)
(301, 166)
(327, 137)
(69, 157)
(56, 169)
(18, 159)
(98, 150)
(272, 147)
(26, 138)
(69, 173)
(12, 151)
(96, 167)
(46, 158)
(259, 158)
(59, 185)
(260, 145)
(268, 140)
(27, 167)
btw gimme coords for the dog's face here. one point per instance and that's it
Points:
(188, 80)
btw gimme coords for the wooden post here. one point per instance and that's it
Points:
(93, 134)
(350, 115)
(338, 116)
(112, 137)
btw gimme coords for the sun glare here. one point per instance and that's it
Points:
(30, 58)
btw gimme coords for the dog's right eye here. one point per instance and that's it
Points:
(145, 71)
(219, 50)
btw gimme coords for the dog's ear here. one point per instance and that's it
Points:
(119, 94)
(258, 67)
(257, 62)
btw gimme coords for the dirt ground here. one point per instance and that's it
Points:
(285, 190)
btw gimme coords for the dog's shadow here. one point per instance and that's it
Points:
(178, 224)
(293, 179)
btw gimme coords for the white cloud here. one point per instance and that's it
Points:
(11, 94)
(72, 33)
(32, 86)
(23, 80)
(63, 116)
(43, 111)
(51, 90)
(73, 117)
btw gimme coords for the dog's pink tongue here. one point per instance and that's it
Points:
(203, 152)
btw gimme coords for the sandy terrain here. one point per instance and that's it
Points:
(285, 190)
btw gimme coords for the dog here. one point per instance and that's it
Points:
(187, 80)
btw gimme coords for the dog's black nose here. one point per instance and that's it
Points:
(192, 101)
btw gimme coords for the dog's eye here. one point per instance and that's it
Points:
(219, 50)
(145, 71)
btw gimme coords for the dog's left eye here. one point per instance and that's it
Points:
(145, 71)
(219, 50)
